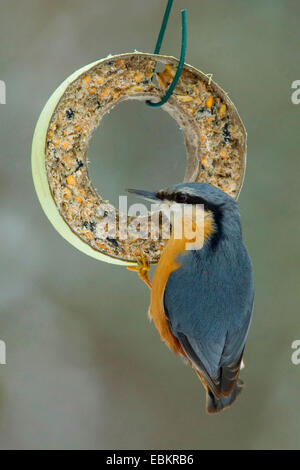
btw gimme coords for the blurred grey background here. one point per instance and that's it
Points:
(85, 368)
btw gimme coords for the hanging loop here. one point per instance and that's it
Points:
(182, 54)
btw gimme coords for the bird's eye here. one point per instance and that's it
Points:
(181, 198)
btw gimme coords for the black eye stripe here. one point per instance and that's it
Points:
(171, 196)
(183, 198)
(165, 195)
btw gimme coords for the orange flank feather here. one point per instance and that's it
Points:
(167, 264)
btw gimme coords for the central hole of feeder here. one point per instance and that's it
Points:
(135, 146)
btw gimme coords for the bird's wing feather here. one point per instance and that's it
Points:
(208, 302)
(213, 383)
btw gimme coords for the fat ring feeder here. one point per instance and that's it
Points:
(214, 136)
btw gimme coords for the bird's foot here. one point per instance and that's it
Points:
(142, 269)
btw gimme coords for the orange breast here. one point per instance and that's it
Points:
(166, 265)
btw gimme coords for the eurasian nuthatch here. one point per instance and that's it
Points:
(202, 299)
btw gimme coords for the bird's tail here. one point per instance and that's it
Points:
(215, 405)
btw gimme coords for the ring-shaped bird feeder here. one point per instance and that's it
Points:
(214, 136)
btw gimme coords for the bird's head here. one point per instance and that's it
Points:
(219, 206)
(213, 199)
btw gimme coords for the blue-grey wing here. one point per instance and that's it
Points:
(208, 301)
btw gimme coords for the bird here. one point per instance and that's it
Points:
(202, 297)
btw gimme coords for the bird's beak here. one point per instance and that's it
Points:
(148, 195)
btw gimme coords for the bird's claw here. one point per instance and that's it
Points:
(142, 269)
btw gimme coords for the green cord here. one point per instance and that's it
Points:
(182, 54)
(163, 27)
